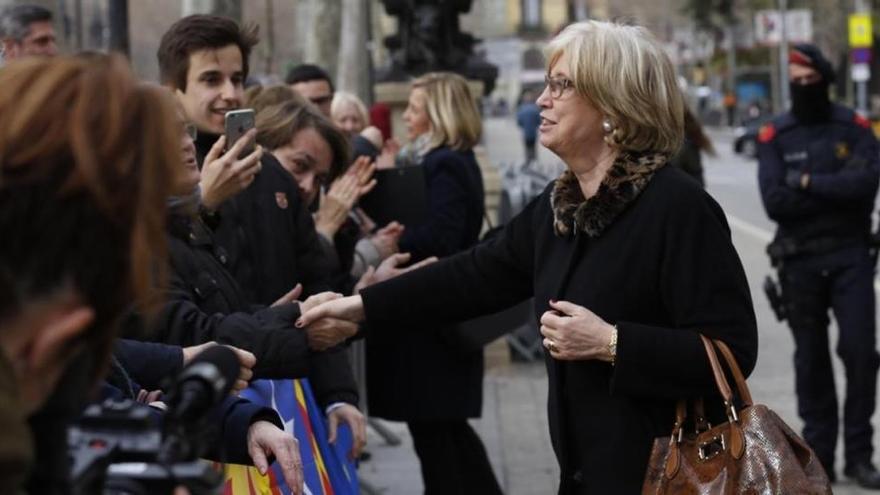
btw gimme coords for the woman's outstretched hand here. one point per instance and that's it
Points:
(349, 308)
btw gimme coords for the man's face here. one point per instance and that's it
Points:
(40, 40)
(803, 75)
(214, 86)
(316, 91)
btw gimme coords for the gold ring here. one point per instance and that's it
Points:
(551, 346)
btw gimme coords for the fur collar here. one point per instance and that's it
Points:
(626, 178)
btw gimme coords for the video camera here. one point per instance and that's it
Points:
(120, 447)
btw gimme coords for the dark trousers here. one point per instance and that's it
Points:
(844, 282)
(531, 152)
(453, 458)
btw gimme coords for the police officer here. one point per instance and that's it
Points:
(818, 173)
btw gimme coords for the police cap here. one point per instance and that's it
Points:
(810, 56)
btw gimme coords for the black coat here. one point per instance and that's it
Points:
(205, 303)
(270, 240)
(422, 375)
(662, 270)
(269, 235)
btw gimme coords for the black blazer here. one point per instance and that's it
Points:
(664, 270)
(423, 375)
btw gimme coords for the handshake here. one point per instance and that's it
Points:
(329, 318)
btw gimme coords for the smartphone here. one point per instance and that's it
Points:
(238, 123)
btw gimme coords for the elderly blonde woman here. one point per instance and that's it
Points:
(628, 261)
(350, 114)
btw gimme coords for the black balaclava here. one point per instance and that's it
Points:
(810, 103)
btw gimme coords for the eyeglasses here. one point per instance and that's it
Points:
(191, 130)
(558, 86)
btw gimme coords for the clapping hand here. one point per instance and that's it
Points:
(225, 174)
(342, 195)
(386, 239)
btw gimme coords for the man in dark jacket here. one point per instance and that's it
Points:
(266, 232)
(818, 172)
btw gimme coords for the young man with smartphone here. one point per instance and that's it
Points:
(266, 232)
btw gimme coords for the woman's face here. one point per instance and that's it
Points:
(349, 119)
(189, 177)
(569, 123)
(308, 158)
(416, 114)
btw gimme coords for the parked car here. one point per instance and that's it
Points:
(746, 141)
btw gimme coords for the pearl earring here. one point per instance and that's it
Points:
(607, 127)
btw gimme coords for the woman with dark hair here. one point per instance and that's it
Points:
(317, 155)
(689, 157)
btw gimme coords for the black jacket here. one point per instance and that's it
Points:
(270, 240)
(269, 234)
(843, 160)
(227, 424)
(662, 270)
(205, 303)
(421, 375)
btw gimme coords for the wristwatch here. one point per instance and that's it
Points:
(612, 345)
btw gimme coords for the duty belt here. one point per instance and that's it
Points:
(782, 248)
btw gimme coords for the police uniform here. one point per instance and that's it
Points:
(818, 182)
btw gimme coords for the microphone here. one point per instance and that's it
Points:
(202, 385)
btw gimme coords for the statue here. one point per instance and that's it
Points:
(429, 39)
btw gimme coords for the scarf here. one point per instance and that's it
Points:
(621, 185)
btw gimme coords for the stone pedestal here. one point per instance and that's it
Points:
(396, 95)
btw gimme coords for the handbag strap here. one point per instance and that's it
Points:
(743, 389)
(720, 379)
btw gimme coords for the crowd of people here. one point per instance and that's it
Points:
(137, 234)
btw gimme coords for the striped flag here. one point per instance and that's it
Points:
(326, 467)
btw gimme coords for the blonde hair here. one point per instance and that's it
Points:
(624, 72)
(344, 99)
(455, 120)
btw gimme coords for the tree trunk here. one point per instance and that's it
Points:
(352, 73)
(226, 8)
(118, 19)
(322, 44)
(269, 38)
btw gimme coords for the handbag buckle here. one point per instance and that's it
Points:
(711, 447)
(732, 416)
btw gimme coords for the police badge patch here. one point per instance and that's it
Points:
(841, 150)
(281, 200)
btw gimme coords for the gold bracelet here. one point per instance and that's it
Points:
(612, 346)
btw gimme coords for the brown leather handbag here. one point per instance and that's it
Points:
(754, 452)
